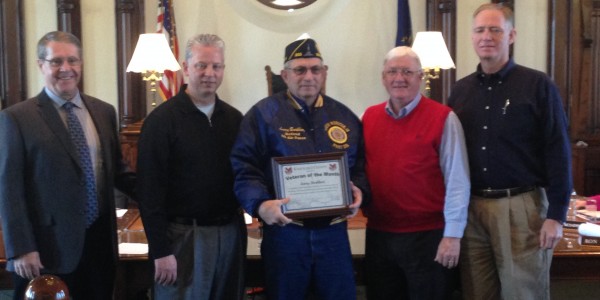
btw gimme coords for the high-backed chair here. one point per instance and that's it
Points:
(275, 83)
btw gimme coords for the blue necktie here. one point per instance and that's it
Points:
(83, 151)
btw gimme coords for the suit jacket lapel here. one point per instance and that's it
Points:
(56, 124)
(95, 114)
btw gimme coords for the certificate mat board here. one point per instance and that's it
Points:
(318, 185)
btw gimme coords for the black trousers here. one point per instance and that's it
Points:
(94, 277)
(402, 266)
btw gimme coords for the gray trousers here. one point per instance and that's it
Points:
(210, 262)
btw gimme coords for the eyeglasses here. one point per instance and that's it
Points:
(58, 62)
(406, 73)
(203, 67)
(316, 70)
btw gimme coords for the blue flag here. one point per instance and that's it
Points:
(404, 34)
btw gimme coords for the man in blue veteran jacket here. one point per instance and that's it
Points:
(314, 253)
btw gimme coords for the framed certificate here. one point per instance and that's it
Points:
(318, 185)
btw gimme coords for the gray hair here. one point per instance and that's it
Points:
(210, 40)
(57, 36)
(402, 51)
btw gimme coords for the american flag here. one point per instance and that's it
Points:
(171, 81)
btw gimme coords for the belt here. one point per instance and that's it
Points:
(202, 221)
(501, 193)
(309, 224)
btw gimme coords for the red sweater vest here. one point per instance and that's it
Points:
(403, 168)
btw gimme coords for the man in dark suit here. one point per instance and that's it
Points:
(56, 188)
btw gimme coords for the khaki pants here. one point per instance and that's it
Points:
(500, 253)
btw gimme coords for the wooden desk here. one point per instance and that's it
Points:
(571, 261)
(135, 273)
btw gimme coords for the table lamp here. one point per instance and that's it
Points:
(434, 55)
(151, 57)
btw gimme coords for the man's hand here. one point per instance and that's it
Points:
(357, 200)
(551, 234)
(165, 270)
(28, 265)
(448, 252)
(270, 212)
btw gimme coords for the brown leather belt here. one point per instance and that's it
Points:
(502, 193)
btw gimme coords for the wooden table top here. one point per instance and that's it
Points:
(130, 225)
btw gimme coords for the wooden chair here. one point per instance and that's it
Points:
(275, 83)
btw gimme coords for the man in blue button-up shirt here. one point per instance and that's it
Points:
(519, 156)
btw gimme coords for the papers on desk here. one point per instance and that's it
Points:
(133, 248)
(121, 212)
(589, 215)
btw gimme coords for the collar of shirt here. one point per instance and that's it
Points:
(498, 75)
(405, 110)
(59, 102)
(299, 104)
(207, 109)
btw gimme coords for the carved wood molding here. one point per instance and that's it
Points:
(12, 57)
(559, 66)
(575, 64)
(594, 51)
(129, 24)
(69, 16)
(132, 92)
(68, 13)
(441, 16)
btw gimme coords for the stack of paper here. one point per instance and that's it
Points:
(133, 248)
(589, 215)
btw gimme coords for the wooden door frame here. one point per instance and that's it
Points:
(13, 87)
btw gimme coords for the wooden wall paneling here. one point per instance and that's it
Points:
(580, 74)
(593, 40)
(590, 92)
(559, 33)
(132, 92)
(13, 84)
(68, 13)
(574, 64)
(586, 70)
(132, 88)
(441, 16)
(69, 16)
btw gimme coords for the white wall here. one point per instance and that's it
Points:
(39, 18)
(353, 36)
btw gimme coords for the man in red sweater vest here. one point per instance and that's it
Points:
(418, 171)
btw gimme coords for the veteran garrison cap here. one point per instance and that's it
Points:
(303, 47)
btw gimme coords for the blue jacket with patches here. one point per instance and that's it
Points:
(282, 126)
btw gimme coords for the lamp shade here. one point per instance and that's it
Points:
(152, 53)
(432, 50)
